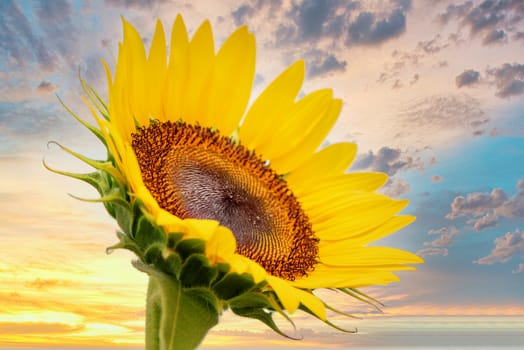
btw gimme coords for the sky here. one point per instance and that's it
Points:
(433, 95)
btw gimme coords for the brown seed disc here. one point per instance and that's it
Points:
(193, 172)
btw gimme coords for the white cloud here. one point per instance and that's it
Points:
(506, 247)
(433, 251)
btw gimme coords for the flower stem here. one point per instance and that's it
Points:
(177, 318)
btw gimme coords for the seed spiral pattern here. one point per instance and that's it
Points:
(194, 172)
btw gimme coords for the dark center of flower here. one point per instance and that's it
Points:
(193, 172)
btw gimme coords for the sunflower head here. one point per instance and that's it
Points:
(239, 202)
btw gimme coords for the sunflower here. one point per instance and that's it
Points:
(251, 183)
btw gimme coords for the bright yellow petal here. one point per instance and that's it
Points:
(285, 292)
(312, 302)
(348, 255)
(271, 106)
(333, 277)
(177, 71)
(201, 60)
(136, 74)
(300, 122)
(221, 246)
(330, 161)
(355, 220)
(156, 73)
(382, 230)
(345, 184)
(289, 161)
(231, 83)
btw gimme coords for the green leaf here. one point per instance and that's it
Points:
(197, 271)
(232, 285)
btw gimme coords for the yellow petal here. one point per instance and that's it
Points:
(333, 277)
(136, 74)
(382, 230)
(297, 124)
(312, 302)
(348, 255)
(177, 71)
(354, 221)
(285, 292)
(231, 82)
(200, 67)
(330, 161)
(271, 106)
(221, 246)
(289, 161)
(156, 73)
(342, 184)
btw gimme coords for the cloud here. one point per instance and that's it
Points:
(487, 208)
(387, 160)
(506, 247)
(396, 188)
(135, 4)
(444, 240)
(467, 78)
(433, 251)
(433, 118)
(477, 203)
(452, 230)
(367, 29)
(519, 268)
(508, 79)
(495, 37)
(354, 23)
(46, 87)
(436, 178)
(322, 63)
(486, 221)
(241, 13)
(432, 46)
(446, 236)
(20, 45)
(491, 18)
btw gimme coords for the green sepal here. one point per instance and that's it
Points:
(187, 247)
(105, 166)
(232, 285)
(254, 305)
(94, 179)
(176, 318)
(94, 97)
(88, 126)
(173, 239)
(124, 218)
(332, 325)
(125, 243)
(197, 271)
(146, 233)
(355, 293)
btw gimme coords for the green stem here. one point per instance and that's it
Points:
(177, 318)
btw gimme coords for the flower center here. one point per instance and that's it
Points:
(193, 172)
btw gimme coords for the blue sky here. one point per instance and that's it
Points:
(433, 95)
